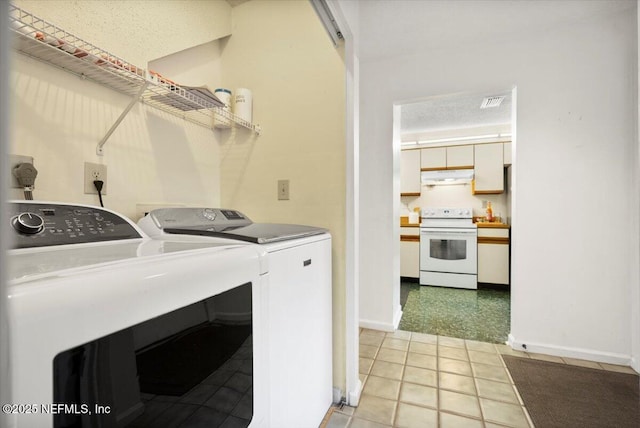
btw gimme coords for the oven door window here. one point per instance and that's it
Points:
(448, 249)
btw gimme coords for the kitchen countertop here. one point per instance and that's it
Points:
(492, 225)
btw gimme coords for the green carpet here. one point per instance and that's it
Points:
(482, 314)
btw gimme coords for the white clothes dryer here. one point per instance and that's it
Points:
(299, 302)
(109, 328)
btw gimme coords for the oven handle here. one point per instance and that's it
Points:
(450, 231)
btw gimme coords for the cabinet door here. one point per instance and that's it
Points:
(460, 157)
(493, 263)
(410, 173)
(507, 154)
(300, 335)
(410, 252)
(489, 169)
(433, 159)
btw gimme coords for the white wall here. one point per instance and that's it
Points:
(576, 151)
(456, 196)
(151, 158)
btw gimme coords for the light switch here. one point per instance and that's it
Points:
(283, 190)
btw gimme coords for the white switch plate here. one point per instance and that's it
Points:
(283, 190)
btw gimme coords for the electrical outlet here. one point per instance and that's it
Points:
(283, 190)
(14, 161)
(94, 171)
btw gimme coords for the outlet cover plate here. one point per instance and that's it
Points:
(15, 160)
(94, 171)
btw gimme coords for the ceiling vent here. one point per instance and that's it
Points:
(489, 102)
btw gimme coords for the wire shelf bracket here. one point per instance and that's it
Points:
(134, 101)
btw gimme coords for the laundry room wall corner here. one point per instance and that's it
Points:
(299, 100)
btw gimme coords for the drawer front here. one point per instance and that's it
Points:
(490, 232)
(410, 231)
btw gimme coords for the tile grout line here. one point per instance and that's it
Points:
(404, 368)
(475, 386)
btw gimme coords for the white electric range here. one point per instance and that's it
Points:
(448, 248)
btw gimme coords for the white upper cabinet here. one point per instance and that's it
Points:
(507, 154)
(460, 157)
(453, 157)
(489, 169)
(410, 172)
(433, 158)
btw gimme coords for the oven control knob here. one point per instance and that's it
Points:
(28, 223)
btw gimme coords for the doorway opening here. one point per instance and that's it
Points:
(472, 132)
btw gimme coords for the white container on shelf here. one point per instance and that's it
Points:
(219, 119)
(243, 104)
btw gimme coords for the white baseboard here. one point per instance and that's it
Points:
(353, 397)
(377, 325)
(384, 326)
(337, 395)
(568, 352)
(397, 316)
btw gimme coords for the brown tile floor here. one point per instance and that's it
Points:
(420, 380)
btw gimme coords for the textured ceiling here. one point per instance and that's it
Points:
(454, 112)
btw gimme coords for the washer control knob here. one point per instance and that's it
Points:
(28, 223)
(209, 214)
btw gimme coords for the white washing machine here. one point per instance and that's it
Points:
(109, 328)
(299, 301)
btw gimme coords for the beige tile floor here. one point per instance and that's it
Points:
(420, 380)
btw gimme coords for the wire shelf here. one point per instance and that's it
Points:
(43, 41)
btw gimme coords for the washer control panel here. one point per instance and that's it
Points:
(37, 224)
(194, 217)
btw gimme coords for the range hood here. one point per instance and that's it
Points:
(446, 177)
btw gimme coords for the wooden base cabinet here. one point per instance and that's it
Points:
(493, 256)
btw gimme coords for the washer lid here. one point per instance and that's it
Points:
(28, 264)
(257, 233)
